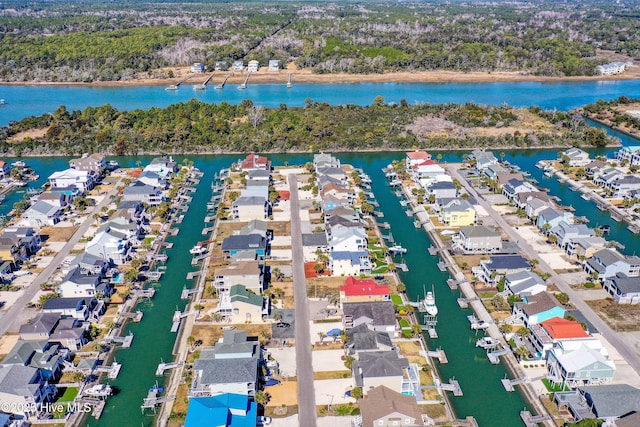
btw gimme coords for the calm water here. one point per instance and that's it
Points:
(23, 101)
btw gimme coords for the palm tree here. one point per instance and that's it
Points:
(261, 397)
(321, 335)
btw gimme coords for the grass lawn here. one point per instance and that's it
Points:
(69, 394)
(396, 299)
(404, 324)
(331, 375)
(553, 388)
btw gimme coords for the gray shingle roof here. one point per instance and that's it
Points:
(380, 364)
(226, 371)
(626, 284)
(42, 323)
(478, 231)
(613, 400)
(381, 312)
(314, 239)
(239, 242)
(362, 338)
(507, 262)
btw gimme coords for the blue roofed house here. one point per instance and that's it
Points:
(492, 270)
(565, 232)
(550, 217)
(223, 410)
(537, 308)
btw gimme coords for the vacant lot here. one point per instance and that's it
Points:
(57, 234)
(620, 317)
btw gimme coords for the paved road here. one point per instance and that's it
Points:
(11, 315)
(632, 358)
(306, 391)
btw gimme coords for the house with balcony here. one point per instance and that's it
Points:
(111, 244)
(586, 364)
(585, 247)
(550, 333)
(23, 388)
(386, 407)
(348, 240)
(349, 263)
(533, 203)
(254, 243)
(363, 290)
(46, 356)
(565, 232)
(363, 338)
(413, 158)
(609, 262)
(80, 179)
(458, 213)
(197, 67)
(551, 217)
(442, 189)
(524, 284)
(607, 176)
(492, 270)
(386, 368)
(483, 159)
(630, 154)
(76, 284)
(346, 213)
(321, 160)
(429, 172)
(537, 308)
(624, 185)
(623, 289)
(77, 308)
(89, 264)
(253, 66)
(246, 273)
(254, 162)
(90, 163)
(227, 410)
(61, 200)
(41, 214)
(143, 193)
(575, 157)
(477, 239)
(379, 315)
(614, 404)
(69, 332)
(516, 186)
(237, 65)
(247, 208)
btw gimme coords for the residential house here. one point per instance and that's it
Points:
(24, 237)
(624, 185)
(90, 163)
(154, 179)
(253, 66)
(197, 67)
(23, 388)
(41, 214)
(524, 283)
(12, 252)
(256, 189)
(551, 217)
(608, 262)
(623, 289)
(69, 332)
(362, 290)
(385, 407)
(477, 240)
(492, 270)
(594, 167)
(247, 306)
(385, 368)
(90, 264)
(483, 159)
(533, 203)
(111, 243)
(237, 65)
(263, 175)
(334, 172)
(81, 179)
(348, 240)
(233, 345)
(379, 314)
(413, 158)
(254, 162)
(565, 232)
(363, 338)
(321, 160)
(42, 355)
(610, 68)
(311, 244)
(222, 410)
(615, 404)
(537, 308)
(345, 195)
(607, 176)
(503, 178)
(458, 213)
(5, 170)
(584, 248)
(75, 284)
(256, 226)
(629, 153)
(575, 367)
(163, 166)
(59, 200)
(428, 172)
(346, 213)
(545, 335)
(575, 157)
(274, 65)
(494, 171)
(246, 208)
(251, 242)
(515, 186)
(349, 263)
(246, 273)
(442, 189)
(140, 192)
(330, 202)
(336, 222)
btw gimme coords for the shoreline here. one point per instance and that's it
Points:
(308, 77)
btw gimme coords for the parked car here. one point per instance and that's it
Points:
(283, 325)
(264, 421)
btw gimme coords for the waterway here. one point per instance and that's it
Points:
(23, 101)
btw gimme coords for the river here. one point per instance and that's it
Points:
(153, 341)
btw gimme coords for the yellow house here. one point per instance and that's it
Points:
(458, 213)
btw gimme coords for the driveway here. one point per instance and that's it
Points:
(288, 316)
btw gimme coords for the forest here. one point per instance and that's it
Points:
(197, 127)
(622, 113)
(95, 40)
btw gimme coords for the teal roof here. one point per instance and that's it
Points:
(229, 410)
(240, 293)
(632, 148)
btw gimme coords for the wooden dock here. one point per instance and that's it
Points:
(452, 386)
(112, 370)
(494, 356)
(224, 82)
(508, 384)
(134, 316)
(531, 420)
(162, 367)
(438, 354)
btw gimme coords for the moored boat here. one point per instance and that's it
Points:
(487, 342)
(198, 250)
(99, 390)
(430, 304)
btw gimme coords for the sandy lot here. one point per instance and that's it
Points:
(285, 393)
(333, 391)
(327, 360)
(552, 255)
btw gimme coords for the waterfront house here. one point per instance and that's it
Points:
(246, 208)
(154, 179)
(545, 335)
(608, 262)
(551, 217)
(586, 364)
(142, 193)
(334, 172)
(363, 338)
(594, 167)
(623, 289)
(428, 172)
(41, 214)
(483, 159)
(79, 307)
(615, 404)
(253, 66)
(533, 203)
(584, 248)
(513, 187)
(254, 162)
(80, 179)
(564, 232)
(237, 65)
(251, 242)
(346, 195)
(246, 273)
(23, 388)
(494, 171)
(330, 202)
(442, 189)
(223, 410)
(629, 153)
(112, 244)
(492, 270)
(41, 354)
(75, 284)
(610, 68)
(624, 185)
(69, 332)
(386, 368)
(262, 175)
(362, 290)
(12, 251)
(337, 222)
(197, 67)
(274, 65)
(311, 244)
(233, 344)
(349, 263)
(386, 407)
(379, 314)
(217, 376)
(247, 306)
(348, 240)
(503, 178)
(537, 308)
(164, 166)
(458, 213)
(346, 213)
(26, 238)
(89, 162)
(575, 157)
(477, 240)
(256, 226)
(524, 283)
(90, 264)
(607, 176)
(413, 158)
(60, 200)
(323, 159)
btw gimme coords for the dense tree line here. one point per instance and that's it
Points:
(614, 113)
(120, 40)
(196, 127)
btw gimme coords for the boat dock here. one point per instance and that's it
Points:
(196, 259)
(494, 356)
(153, 400)
(246, 82)
(125, 341)
(154, 275)
(402, 267)
(112, 370)
(135, 316)
(452, 386)
(433, 250)
(186, 293)
(177, 85)
(178, 316)
(464, 302)
(443, 267)
(508, 384)
(162, 367)
(144, 293)
(438, 354)
(453, 284)
(533, 420)
(477, 324)
(97, 405)
(193, 274)
(224, 82)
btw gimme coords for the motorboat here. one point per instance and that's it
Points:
(19, 164)
(99, 390)
(156, 389)
(3, 102)
(430, 304)
(171, 87)
(112, 164)
(397, 249)
(198, 250)
(487, 342)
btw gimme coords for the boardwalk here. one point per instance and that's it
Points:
(306, 392)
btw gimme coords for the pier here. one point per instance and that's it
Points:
(531, 420)
(112, 370)
(443, 267)
(464, 302)
(204, 84)
(224, 82)
(144, 293)
(186, 293)
(452, 386)
(477, 324)
(508, 384)
(193, 274)
(153, 400)
(162, 367)
(135, 316)
(177, 85)
(494, 356)
(125, 341)
(97, 405)
(246, 82)
(438, 354)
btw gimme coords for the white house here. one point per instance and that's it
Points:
(349, 263)
(41, 214)
(253, 66)
(197, 67)
(623, 289)
(246, 273)
(246, 208)
(612, 68)
(81, 179)
(274, 65)
(524, 283)
(348, 240)
(576, 157)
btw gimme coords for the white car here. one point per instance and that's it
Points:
(264, 421)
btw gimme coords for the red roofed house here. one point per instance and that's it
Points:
(548, 334)
(254, 162)
(355, 290)
(4, 169)
(416, 157)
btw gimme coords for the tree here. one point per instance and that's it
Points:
(562, 297)
(356, 393)
(416, 329)
(401, 287)
(322, 336)
(261, 397)
(506, 328)
(523, 332)
(277, 273)
(277, 316)
(552, 238)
